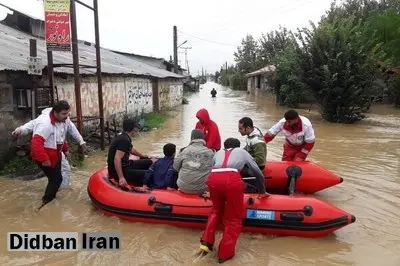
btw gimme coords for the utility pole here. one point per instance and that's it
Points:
(75, 57)
(99, 81)
(186, 61)
(175, 50)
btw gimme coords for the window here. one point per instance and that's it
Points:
(23, 98)
(43, 98)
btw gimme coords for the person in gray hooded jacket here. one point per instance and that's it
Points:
(194, 164)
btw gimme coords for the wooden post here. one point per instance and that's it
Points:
(99, 82)
(33, 53)
(50, 74)
(115, 127)
(108, 132)
(156, 98)
(75, 59)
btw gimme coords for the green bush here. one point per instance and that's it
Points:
(335, 66)
(19, 166)
(238, 81)
(153, 120)
(394, 90)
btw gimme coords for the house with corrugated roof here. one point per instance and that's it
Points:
(130, 85)
(258, 78)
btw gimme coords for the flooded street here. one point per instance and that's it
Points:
(366, 155)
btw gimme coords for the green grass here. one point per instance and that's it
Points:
(20, 166)
(75, 158)
(153, 120)
(23, 165)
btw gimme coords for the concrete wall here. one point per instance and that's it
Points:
(252, 83)
(249, 83)
(121, 95)
(9, 119)
(6, 94)
(170, 93)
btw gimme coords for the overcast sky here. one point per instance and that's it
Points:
(213, 29)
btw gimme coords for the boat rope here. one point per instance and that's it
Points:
(153, 200)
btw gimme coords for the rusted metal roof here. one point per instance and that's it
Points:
(14, 52)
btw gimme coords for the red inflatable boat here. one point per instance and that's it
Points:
(274, 214)
(313, 178)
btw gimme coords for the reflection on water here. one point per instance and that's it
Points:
(366, 155)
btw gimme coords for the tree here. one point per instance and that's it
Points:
(335, 66)
(384, 30)
(246, 55)
(272, 44)
(216, 76)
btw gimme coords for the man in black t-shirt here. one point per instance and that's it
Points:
(119, 166)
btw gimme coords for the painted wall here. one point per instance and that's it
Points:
(170, 93)
(120, 95)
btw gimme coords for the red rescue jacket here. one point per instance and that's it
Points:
(210, 129)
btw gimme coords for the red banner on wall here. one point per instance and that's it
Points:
(57, 25)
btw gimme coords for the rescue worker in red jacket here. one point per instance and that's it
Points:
(299, 133)
(226, 190)
(210, 130)
(48, 141)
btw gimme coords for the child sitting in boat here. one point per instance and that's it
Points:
(161, 174)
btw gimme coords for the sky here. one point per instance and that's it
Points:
(213, 29)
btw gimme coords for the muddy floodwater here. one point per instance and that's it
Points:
(366, 155)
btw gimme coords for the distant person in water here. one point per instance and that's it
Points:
(120, 168)
(213, 93)
(162, 174)
(299, 133)
(210, 130)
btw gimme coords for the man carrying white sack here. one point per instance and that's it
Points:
(65, 166)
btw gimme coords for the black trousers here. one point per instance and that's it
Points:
(54, 181)
(250, 184)
(135, 170)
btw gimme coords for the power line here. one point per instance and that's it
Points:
(199, 38)
(282, 8)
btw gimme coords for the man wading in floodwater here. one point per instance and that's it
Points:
(48, 141)
(28, 128)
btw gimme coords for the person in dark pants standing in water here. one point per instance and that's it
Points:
(213, 93)
(226, 189)
(120, 168)
(48, 141)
